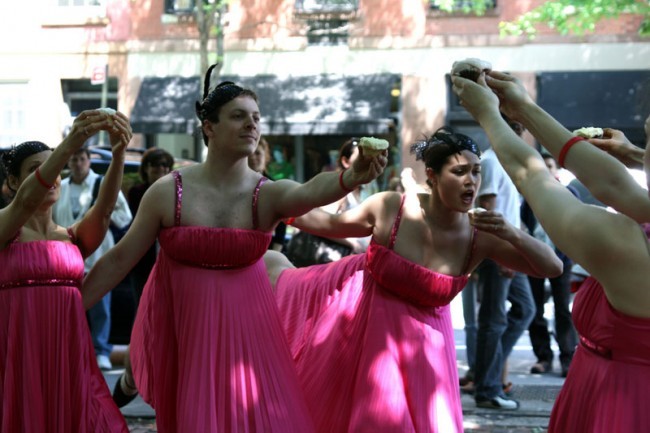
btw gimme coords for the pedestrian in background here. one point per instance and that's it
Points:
(208, 349)
(49, 378)
(498, 329)
(78, 193)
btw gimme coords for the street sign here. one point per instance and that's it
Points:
(98, 75)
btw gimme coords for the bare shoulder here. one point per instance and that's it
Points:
(383, 207)
(160, 198)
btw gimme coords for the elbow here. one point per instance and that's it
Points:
(555, 268)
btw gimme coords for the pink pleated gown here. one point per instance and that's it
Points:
(606, 389)
(208, 350)
(373, 343)
(49, 379)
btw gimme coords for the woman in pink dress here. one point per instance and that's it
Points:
(371, 334)
(208, 351)
(49, 379)
(605, 390)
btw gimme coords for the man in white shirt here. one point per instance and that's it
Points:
(499, 329)
(76, 198)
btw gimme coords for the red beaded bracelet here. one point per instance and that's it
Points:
(40, 179)
(565, 149)
(343, 187)
(289, 221)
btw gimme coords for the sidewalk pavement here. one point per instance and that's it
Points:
(536, 393)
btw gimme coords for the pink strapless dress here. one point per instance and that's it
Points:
(373, 343)
(49, 379)
(208, 350)
(606, 389)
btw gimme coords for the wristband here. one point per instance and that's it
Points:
(289, 221)
(343, 187)
(40, 179)
(565, 149)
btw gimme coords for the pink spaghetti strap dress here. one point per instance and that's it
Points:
(373, 343)
(49, 379)
(606, 389)
(208, 350)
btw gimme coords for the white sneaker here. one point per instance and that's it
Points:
(498, 403)
(104, 362)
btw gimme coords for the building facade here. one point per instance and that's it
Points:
(324, 70)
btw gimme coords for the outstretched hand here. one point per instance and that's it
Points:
(492, 90)
(511, 92)
(476, 97)
(368, 168)
(85, 125)
(120, 133)
(617, 145)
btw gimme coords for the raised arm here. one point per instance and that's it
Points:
(611, 183)
(33, 190)
(290, 199)
(610, 246)
(616, 144)
(113, 266)
(91, 230)
(353, 223)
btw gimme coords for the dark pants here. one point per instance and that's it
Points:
(498, 329)
(565, 333)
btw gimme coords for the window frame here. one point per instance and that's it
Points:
(171, 9)
(346, 14)
(14, 110)
(434, 11)
(66, 15)
(352, 7)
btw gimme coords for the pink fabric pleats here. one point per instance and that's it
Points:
(374, 358)
(606, 388)
(49, 379)
(208, 349)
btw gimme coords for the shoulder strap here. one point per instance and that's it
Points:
(16, 237)
(71, 235)
(256, 196)
(396, 223)
(178, 181)
(96, 186)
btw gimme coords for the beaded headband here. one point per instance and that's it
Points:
(223, 93)
(457, 142)
(12, 159)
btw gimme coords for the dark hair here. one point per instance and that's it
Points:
(266, 148)
(13, 159)
(440, 146)
(346, 149)
(226, 91)
(81, 150)
(546, 155)
(153, 155)
(518, 127)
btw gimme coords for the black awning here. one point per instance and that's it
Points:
(166, 105)
(312, 105)
(606, 99)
